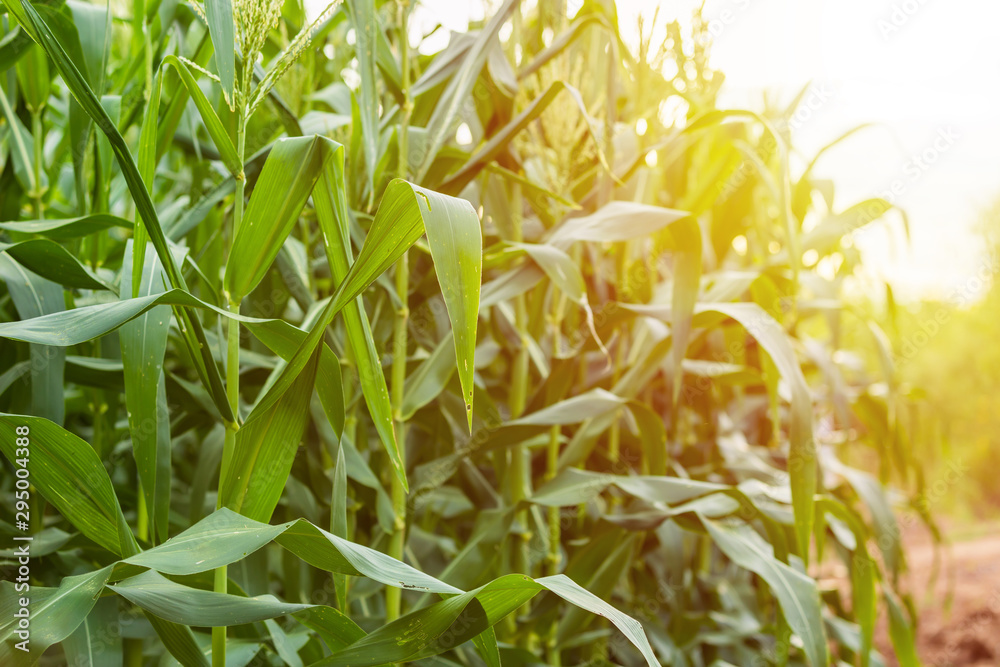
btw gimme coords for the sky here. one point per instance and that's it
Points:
(922, 72)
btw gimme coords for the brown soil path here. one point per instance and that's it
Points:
(964, 632)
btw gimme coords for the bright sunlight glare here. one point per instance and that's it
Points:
(893, 78)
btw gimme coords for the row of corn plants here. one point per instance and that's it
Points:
(318, 350)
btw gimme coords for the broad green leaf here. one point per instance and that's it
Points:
(68, 228)
(884, 524)
(863, 571)
(573, 410)
(901, 631)
(429, 379)
(565, 275)
(221, 26)
(33, 297)
(143, 343)
(146, 164)
(22, 153)
(265, 449)
(90, 644)
(687, 278)
(179, 640)
(284, 184)
(54, 263)
(574, 487)
(616, 221)
(53, 614)
(69, 474)
(88, 322)
(826, 236)
(330, 198)
(802, 463)
(284, 645)
(795, 591)
(189, 606)
(215, 128)
(404, 213)
(33, 78)
(599, 579)
(226, 537)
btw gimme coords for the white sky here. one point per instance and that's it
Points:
(936, 71)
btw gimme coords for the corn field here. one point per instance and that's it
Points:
(319, 350)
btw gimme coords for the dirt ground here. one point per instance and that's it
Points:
(960, 614)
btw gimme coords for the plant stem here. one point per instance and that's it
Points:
(232, 385)
(399, 343)
(519, 481)
(397, 542)
(36, 132)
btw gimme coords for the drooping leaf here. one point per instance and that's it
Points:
(69, 474)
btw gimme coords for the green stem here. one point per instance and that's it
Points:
(399, 343)
(397, 542)
(142, 518)
(232, 387)
(519, 480)
(36, 132)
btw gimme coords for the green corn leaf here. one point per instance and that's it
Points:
(901, 631)
(54, 613)
(222, 28)
(289, 174)
(215, 128)
(90, 644)
(85, 323)
(143, 344)
(146, 164)
(68, 473)
(574, 487)
(687, 277)
(33, 78)
(455, 240)
(802, 462)
(429, 379)
(265, 448)
(68, 228)
(34, 297)
(863, 570)
(53, 262)
(332, 211)
(795, 591)
(616, 221)
(405, 211)
(190, 606)
(226, 537)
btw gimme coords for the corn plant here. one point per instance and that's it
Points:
(305, 380)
